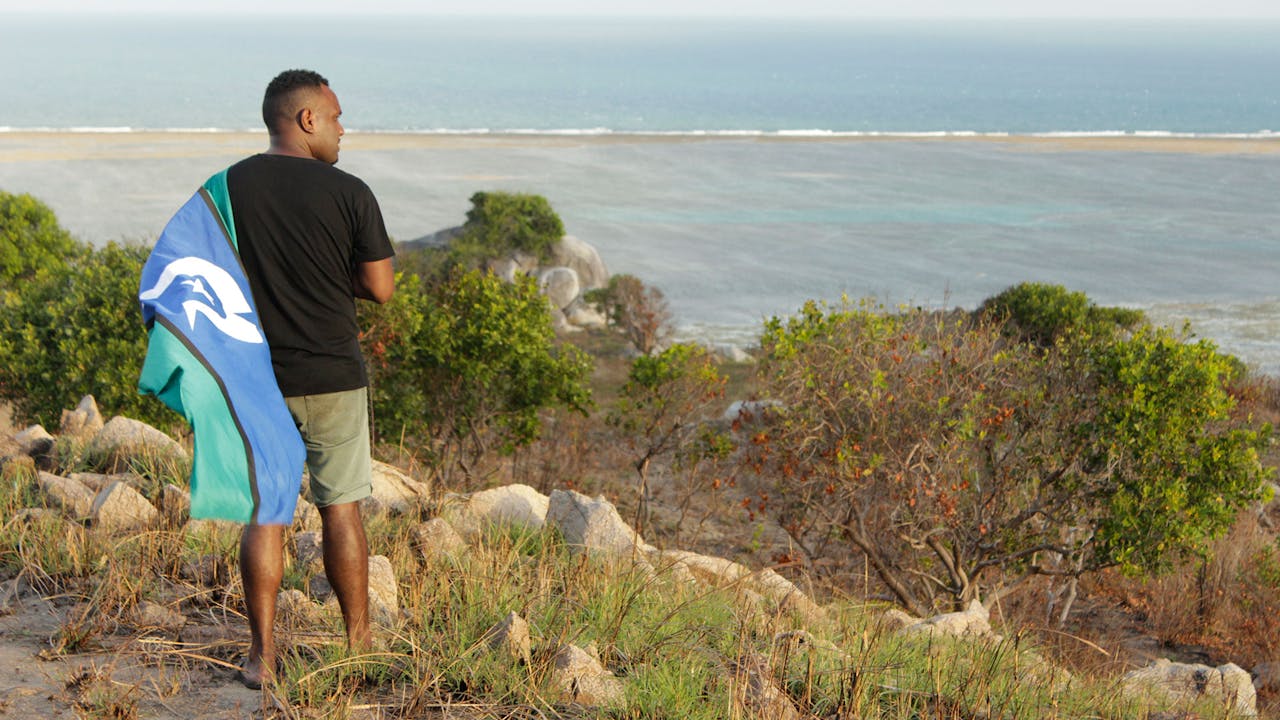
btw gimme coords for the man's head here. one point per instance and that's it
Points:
(301, 113)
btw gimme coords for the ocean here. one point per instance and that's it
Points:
(742, 166)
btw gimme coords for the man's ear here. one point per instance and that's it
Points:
(307, 120)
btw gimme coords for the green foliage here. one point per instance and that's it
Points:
(640, 311)
(1041, 313)
(500, 223)
(466, 365)
(31, 240)
(1181, 466)
(944, 453)
(76, 331)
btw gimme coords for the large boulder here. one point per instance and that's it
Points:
(82, 423)
(1186, 683)
(583, 680)
(560, 285)
(394, 491)
(120, 508)
(72, 497)
(123, 438)
(510, 266)
(583, 259)
(593, 526)
(511, 505)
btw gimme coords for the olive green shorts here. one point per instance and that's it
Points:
(335, 429)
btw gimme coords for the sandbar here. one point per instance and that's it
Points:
(40, 146)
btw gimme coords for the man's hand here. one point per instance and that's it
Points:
(374, 280)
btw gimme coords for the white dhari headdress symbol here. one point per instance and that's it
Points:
(212, 282)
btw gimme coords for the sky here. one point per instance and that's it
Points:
(713, 8)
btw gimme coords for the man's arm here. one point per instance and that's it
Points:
(374, 280)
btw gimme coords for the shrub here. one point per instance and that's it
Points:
(662, 408)
(75, 331)
(638, 310)
(1041, 313)
(500, 223)
(467, 364)
(31, 240)
(953, 460)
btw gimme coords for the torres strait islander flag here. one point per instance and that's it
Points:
(208, 359)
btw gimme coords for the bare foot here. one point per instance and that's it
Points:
(254, 672)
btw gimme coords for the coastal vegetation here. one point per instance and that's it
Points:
(1038, 455)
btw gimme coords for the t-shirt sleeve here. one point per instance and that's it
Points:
(370, 233)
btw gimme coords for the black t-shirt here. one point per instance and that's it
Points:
(301, 227)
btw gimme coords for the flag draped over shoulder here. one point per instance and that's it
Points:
(208, 359)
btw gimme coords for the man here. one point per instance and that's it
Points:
(312, 240)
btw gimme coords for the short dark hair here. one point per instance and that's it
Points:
(279, 100)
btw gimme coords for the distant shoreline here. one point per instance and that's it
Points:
(46, 145)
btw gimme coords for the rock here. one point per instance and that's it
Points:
(308, 548)
(1266, 677)
(583, 259)
(31, 516)
(895, 619)
(174, 504)
(766, 582)
(207, 571)
(436, 538)
(973, 621)
(82, 423)
(580, 314)
(384, 591)
(512, 505)
(560, 286)
(97, 482)
(593, 526)
(749, 411)
(122, 438)
(437, 239)
(120, 508)
(583, 680)
(306, 516)
(511, 636)
(1184, 683)
(395, 491)
(75, 499)
(33, 441)
(730, 353)
(158, 617)
(756, 693)
(294, 608)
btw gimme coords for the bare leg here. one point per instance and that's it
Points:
(346, 563)
(261, 569)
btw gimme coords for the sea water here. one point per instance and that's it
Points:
(743, 176)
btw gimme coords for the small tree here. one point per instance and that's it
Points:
(661, 410)
(466, 365)
(955, 461)
(638, 310)
(500, 223)
(31, 240)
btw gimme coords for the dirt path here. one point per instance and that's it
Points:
(36, 683)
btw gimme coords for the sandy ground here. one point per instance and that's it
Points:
(36, 683)
(24, 146)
